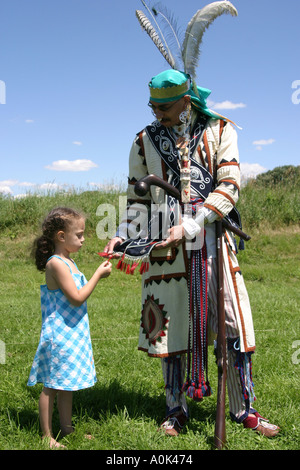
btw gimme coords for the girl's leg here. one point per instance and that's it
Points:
(64, 404)
(46, 403)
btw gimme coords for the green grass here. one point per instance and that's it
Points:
(124, 409)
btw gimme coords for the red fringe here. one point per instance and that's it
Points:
(129, 268)
(144, 267)
(120, 263)
(126, 267)
(133, 266)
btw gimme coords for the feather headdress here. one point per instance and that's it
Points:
(188, 50)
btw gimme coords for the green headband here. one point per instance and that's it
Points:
(171, 85)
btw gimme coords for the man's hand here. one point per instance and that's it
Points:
(112, 244)
(176, 237)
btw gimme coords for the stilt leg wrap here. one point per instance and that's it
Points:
(243, 364)
(173, 376)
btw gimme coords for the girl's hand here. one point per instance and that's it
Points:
(104, 269)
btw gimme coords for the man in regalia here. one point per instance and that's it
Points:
(195, 150)
(185, 130)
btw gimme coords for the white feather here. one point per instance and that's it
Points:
(169, 25)
(160, 33)
(195, 30)
(152, 33)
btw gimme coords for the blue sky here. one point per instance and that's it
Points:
(73, 86)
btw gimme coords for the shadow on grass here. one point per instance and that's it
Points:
(138, 403)
(102, 401)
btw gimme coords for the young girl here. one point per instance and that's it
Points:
(64, 358)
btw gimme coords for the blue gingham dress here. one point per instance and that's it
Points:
(64, 357)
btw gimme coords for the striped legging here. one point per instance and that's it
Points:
(174, 368)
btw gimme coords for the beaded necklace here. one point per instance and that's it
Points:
(182, 137)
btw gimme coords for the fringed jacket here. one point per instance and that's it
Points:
(214, 148)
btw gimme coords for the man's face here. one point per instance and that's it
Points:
(168, 113)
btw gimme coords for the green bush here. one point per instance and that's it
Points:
(272, 200)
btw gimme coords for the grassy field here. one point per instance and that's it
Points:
(124, 409)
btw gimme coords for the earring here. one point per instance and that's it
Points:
(184, 116)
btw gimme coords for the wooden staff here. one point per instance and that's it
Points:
(220, 430)
(143, 186)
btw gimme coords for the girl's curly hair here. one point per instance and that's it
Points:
(58, 219)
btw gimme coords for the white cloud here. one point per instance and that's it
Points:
(9, 182)
(260, 143)
(29, 121)
(5, 186)
(5, 189)
(71, 165)
(264, 142)
(251, 170)
(225, 105)
(228, 105)
(77, 142)
(26, 184)
(49, 186)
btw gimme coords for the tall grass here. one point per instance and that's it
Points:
(269, 207)
(24, 215)
(272, 200)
